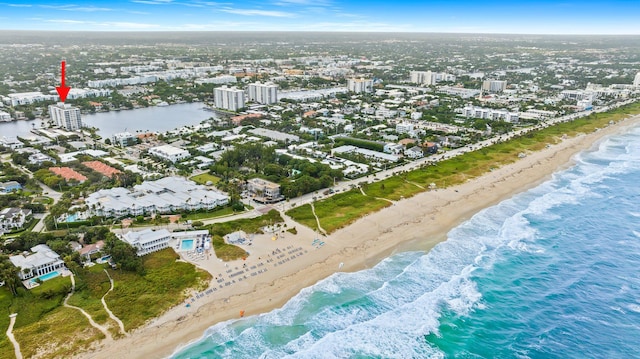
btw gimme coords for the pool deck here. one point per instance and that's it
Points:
(64, 272)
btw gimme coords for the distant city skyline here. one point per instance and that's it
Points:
(492, 16)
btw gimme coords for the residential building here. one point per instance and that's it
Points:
(10, 186)
(169, 153)
(68, 174)
(42, 261)
(147, 241)
(494, 85)
(231, 99)
(27, 98)
(265, 94)
(263, 190)
(490, 114)
(13, 218)
(404, 127)
(5, 116)
(165, 195)
(393, 148)
(123, 139)
(636, 80)
(40, 158)
(11, 142)
(414, 152)
(102, 168)
(429, 78)
(66, 116)
(360, 85)
(90, 249)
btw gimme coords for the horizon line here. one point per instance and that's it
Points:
(319, 31)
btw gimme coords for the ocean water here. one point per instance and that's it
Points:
(551, 273)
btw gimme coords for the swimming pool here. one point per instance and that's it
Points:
(186, 245)
(72, 218)
(47, 276)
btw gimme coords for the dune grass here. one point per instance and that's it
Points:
(138, 298)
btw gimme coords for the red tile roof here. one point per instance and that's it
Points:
(102, 168)
(68, 173)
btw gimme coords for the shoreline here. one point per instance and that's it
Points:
(417, 223)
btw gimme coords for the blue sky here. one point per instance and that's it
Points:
(490, 16)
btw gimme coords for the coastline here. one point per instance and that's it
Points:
(417, 223)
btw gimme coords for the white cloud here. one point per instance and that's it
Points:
(76, 8)
(16, 5)
(302, 2)
(106, 24)
(256, 12)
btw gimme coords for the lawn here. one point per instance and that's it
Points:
(220, 212)
(204, 178)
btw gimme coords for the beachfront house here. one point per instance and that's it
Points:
(148, 240)
(42, 261)
(87, 251)
(263, 190)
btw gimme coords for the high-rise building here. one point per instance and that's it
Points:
(231, 99)
(494, 85)
(360, 85)
(430, 78)
(66, 116)
(636, 80)
(265, 94)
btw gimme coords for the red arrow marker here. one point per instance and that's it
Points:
(63, 90)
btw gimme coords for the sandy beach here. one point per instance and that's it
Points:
(278, 269)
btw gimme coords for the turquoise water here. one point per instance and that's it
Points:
(72, 217)
(47, 276)
(186, 245)
(551, 273)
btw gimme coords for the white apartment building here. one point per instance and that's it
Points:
(123, 139)
(169, 153)
(263, 190)
(13, 218)
(27, 98)
(494, 85)
(42, 261)
(5, 116)
(490, 114)
(265, 94)
(66, 116)
(404, 127)
(223, 79)
(429, 78)
(636, 80)
(165, 195)
(360, 85)
(147, 241)
(231, 99)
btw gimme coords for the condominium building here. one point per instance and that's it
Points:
(231, 99)
(494, 85)
(42, 261)
(123, 139)
(169, 153)
(636, 80)
(430, 78)
(5, 116)
(147, 241)
(490, 114)
(66, 116)
(360, 85)
(265, 94)
(165, 195)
